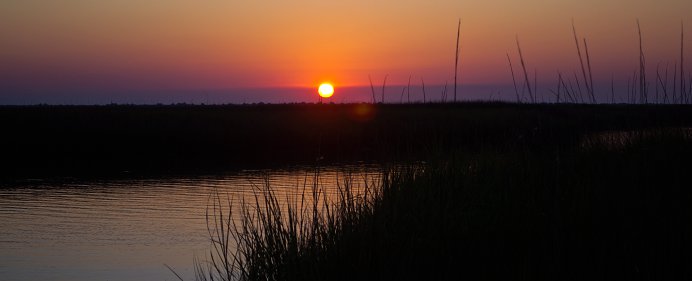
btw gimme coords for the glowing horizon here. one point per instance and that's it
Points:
(139, 45)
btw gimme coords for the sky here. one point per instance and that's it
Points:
(148, 51)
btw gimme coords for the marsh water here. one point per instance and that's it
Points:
(129, 229)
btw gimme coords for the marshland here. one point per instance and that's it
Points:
(361, 140)
(442, 191)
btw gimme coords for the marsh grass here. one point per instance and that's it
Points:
(614, 205)
(456, 63)
(532, 98)
(278, 235)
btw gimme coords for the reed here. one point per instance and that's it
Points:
(535, 208)
(271, 237)
(408, 89)
(583, 88)
(559, 88)
(682, 61)
(658, 78)
(456, 61)
(535, 84)
(675, 77)
(612, 88)
(401, 98)
(570, 95)
(588, 64)
(689, 89)
(581, 94)
(665, 88)
(514, 81)
(526, 75)
(372, 89)
(643, 93)
(560, 83)
(581, 60)
(384, 84)
(423, 86)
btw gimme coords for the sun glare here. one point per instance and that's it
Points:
(326, 90)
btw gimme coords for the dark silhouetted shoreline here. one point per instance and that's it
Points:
(121, 140)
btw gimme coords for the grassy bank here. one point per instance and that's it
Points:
(608, 205)
(45, 141)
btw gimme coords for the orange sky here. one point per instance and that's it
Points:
(221, 44)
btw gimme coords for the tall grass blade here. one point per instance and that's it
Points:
(514, 81)
(408, 89)
(674, 98)
(526, 75)
(612, 88)
(581, 94)
(590, 86)
(658, 78)
(372, 89)
(173, 271)
(535, 84)
(384, 84)
(581, 60)
(665, 86)
(682, 61)
(423, 84)
(456, 61)
(559, 85)
(642, 68)
(401, 99)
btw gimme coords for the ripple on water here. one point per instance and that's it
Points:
(126, 229)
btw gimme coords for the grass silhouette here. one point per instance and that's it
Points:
(600, 205)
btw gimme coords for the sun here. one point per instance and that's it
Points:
(326, 90)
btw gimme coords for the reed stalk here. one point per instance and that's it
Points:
(689, 89)
(535, 84)
(581, 60)
(612, 89)
(384, 84)
(664, 85)
(526, 75)
(514, 81)
(559, 86)
(682, 61)
(635, 81)
(408, 89)
(581, 94)
(423, 84)
(575, 97)
(658, 78)
(456, 61)
(590, 86)
(675, 77)
(569, 97)
(629, 91)
(642, 68)
(372, 89)
(401, 99)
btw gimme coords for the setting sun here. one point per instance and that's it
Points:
(326, 90)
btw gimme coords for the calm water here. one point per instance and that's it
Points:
(126, 229)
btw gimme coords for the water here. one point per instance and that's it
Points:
(126, 229)
(623, 138)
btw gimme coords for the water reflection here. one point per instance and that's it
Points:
(127, 229)
(624, 138)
